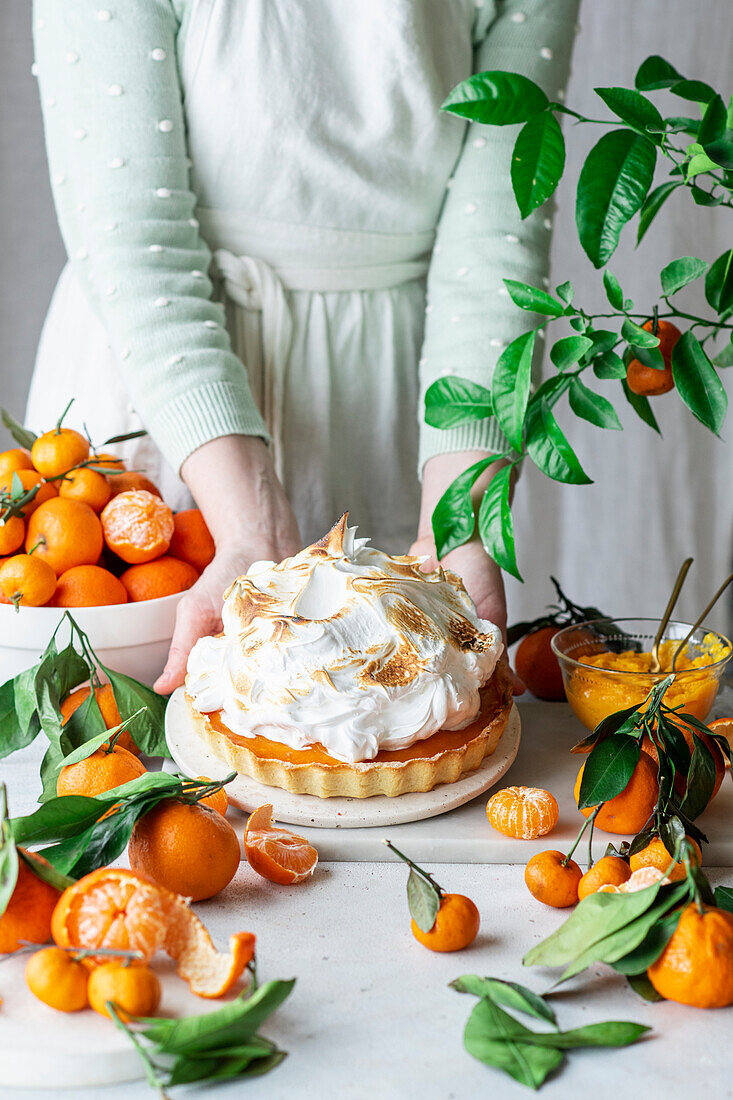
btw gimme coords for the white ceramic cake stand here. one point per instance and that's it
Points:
(194, 758)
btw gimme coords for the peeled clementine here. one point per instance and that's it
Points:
(137, 526)
(277, 854)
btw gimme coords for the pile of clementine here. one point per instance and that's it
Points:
(77, 529)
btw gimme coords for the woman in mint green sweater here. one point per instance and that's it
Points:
(276, 243)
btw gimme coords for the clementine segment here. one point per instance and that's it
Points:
(538, 667)
(192, 541)
(57, 979)
(456, 925)
(696, 966)
(629, 811)
(103, 770)
(27, 580)
(553, 880)
(28, 913)
(277, 854)
(154, 579)
(86, 486)
(523, 812)
(187, 848)
(137, 526)
(88, 586)
(65, 533)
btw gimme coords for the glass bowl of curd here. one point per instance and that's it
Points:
(606, 664)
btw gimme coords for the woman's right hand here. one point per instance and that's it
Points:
(234, 483)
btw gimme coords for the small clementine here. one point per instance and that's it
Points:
(553, 879)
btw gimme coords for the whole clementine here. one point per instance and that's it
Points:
(88, 586)
(648, 381)
(65, 533)
(162, 577)
(629, 811)
(523, 812)
(218, 800)
(12, 535)
(608, 871)
(696, 966)
(29, 479)
(131, 481)
(99, 772)
(27, 580)
(55, 452)
(134, 989)
(57, 979)
(552, 879)
(108, 707)
(656, 855)
(17, 458)
(192, 541)
(87, 486)
(137, 526)
(538, 667)
(28, 913)
(456, 925)
(187, 848)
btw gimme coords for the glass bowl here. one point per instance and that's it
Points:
(594, 690)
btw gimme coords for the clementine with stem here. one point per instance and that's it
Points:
(58, 979)
(457, 919)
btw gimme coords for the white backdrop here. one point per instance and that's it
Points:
(616, 543)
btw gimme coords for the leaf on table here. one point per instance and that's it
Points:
(509, 994)
(643, 987)
(494, 1045)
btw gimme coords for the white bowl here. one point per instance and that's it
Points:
(132, 638)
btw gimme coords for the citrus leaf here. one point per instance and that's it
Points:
(453, 519)
(612, 186)
(566, 292)
(509, 994)
(495, 524)
(638, 336)
(21, 435)
(655, 73)
(713, 124)
(510, 387)
(724, 898)
(488, 1038)
(719, 283)
(423, 901)
(538, 161)
(697, 382)
(602, 340)
(614, 293)
(44, 871)
(452, 401)
(592, 407)
(632, 108)
(681, 272)
(131, 696)
(700, 780)
(695, 90)
(653, 203)
(651, 947)
(720, 151)
(609, 365)
(549, 449)
(608, 769)
(644, 988)
(724, 358)
(641, 406)
(567, 351)
(496, 98)
(533, 299)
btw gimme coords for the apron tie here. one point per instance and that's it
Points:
(254, 285)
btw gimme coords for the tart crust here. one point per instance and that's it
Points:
(442, 758)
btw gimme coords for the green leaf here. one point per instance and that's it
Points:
(610, 1033)
(655, 73)
(638, 336)
(566, 292)
(682, 124)
(592, 406)
(608, 770)
(651, 206)
(495, 525)
(713, 124)
(651, 947)
(723, 359)
(93, 743)
(681, 272)
(496, 98)
(602, 340)
(509, 994)
(236, 1022)
(567, 351)
(724, 898)
(650, 357)
(644, 988)
(453, 519)
(147, 730)
(700, 780)
(533, 299)
(698, 164)
(612, 186)
(695, 90)
(423, 901)
(453, 401)
(45, 871)
(528, 1064)
(510, 387)
(14, 734)
(704, 198)
(549, 449)
(719, 283)
(22, 436)
(632, 108)
(721, 150)
(697, 382)
(641, 406)
(538, 161)
(609, 365)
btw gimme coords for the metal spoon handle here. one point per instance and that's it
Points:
(674, 596)
(702, 617)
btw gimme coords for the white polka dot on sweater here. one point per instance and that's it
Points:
(161, 302)
(59, 178)
(50, 101)
(470, 208)
(40, 24)
(155, 248)
(82, 254)
(511, 238)
(429, 308)
(561, 95)
(125, 353)
(461, 272)
(198, 275)
(111, 291)
(158, 54)
(193, 223)
(479, 143)
(163, 193)
(80, 206)
(545, 281)
(437, 249)
(34, 69)
(175, 360)
(211, 324)
(80, 133)
(495, 342)
(518, 17)
(547, 53)
(504, 292)
(104, 15)
(117, 162)
(456, 318)
(115, 89)
(110, 227)
(72, 57)
(547, 223)
(165, 125)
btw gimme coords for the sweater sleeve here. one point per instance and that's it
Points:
(481, 238)
(115, 134)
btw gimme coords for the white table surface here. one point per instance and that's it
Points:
(371, 1014)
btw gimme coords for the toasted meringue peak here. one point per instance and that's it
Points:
(346, 647)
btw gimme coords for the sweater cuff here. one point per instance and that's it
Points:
(205, 413)
(477, 435)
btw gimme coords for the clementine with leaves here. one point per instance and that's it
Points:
(553, 879)
(27, 580)
(65, 533)
(655, 854)
(696, 966)
(440, 921)
(108, 708)
(217, 801)
(607, 871)
(523, 812)
(29, 479)
(649, 381)
(101, 771)
(630, 810)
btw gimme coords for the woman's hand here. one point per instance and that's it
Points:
(233, 481)
(480, 574)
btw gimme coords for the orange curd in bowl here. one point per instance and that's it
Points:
(593, 695)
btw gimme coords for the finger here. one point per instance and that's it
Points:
(425, 548)
(192, 623)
